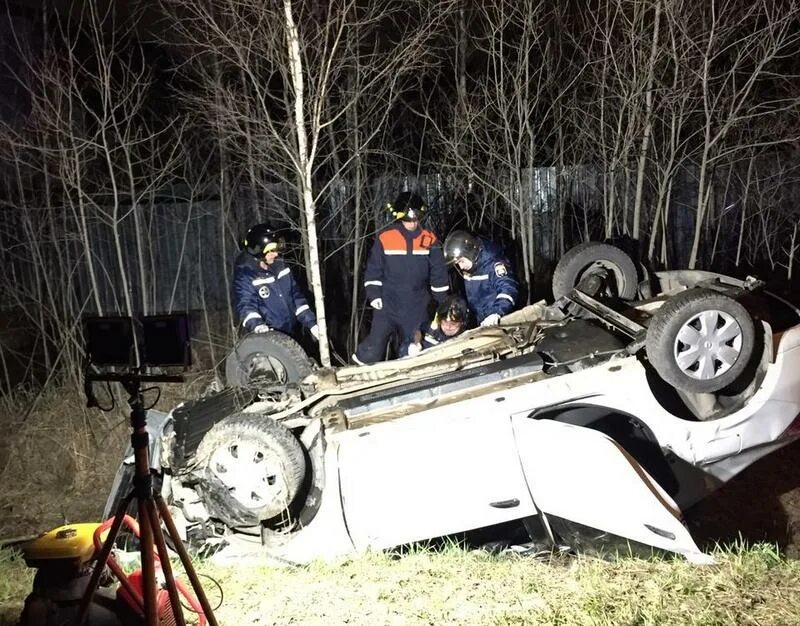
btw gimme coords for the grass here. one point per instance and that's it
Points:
(459, 587)
(15, 583)
(749, 586)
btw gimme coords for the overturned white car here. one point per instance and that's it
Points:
(602, 416)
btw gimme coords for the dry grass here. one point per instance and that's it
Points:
(752, 586)
(15, 583)
(57, 461)
(458, 587)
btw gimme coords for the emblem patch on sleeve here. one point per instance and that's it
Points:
(500, 269)
(263, 291)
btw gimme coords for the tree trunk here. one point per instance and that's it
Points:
(305, 165)
(648, 125)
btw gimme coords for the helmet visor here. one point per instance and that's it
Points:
(460, 245)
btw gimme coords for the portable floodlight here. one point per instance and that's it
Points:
(165, 340)
(154, 340)
(121, 349)
(110, 340)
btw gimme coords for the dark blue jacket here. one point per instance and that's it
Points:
(403, 268)
(489, 286)
(268, 296)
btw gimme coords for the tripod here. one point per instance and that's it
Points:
(151, 508)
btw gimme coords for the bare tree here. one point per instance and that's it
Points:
(85, 159)
(737, 50)
(288, 85)
(500, 127)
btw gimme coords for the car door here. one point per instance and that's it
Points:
(582, 475)
(430, 474)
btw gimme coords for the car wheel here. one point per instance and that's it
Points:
(270, 357)
(253, 468)
(700, 340)
(614, 271)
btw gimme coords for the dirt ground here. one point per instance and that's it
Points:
(760, 504)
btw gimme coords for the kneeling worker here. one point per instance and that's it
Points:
(450, 321)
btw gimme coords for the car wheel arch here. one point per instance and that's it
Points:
(707, 406)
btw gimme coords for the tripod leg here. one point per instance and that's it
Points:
(102, 559)
(185, 559)
(166, 566)
(143, 488)
(148, 564)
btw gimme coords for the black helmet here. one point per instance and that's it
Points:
(261, 239)
(460, 244)
(453, 309)
(407, 206)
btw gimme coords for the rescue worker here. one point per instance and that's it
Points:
(490, 287)
(405, 266)
(450, 321)
(266, 296)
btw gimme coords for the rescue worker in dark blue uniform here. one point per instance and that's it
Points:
(405, 267)
(450, 321)
(266, 296)
(490, 287)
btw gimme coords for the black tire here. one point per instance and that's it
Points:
(270, 357)
(593, 256)
(721, 356)
(273, 456)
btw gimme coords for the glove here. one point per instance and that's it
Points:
(491, 320)
(414, 349)
(315, 331)
(376, 304)
(261, 329)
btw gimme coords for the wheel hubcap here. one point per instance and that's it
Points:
(708, 345)
(253, 474)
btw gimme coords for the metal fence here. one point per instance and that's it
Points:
(180, 256)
